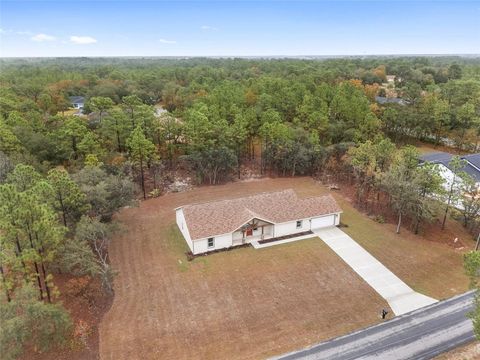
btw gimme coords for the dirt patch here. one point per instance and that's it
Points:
(468, 352)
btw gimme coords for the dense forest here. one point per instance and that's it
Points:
(149, 122)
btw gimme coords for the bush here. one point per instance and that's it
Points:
(81, 333)
(77, 286)
(155, 193)
(380, 219)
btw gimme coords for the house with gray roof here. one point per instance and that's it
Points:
(77, 102)
(443, 159)
(382, 100)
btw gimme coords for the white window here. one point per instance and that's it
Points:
(299, 224)
(211, 243)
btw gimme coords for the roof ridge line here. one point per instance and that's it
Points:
(238, 198)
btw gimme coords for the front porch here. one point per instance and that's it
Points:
(254, 230)
(259, 244)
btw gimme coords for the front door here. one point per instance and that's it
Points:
(249, 232)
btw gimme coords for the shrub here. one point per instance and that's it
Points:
(155, 193)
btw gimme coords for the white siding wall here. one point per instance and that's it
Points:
(337, 219)
(226, 240)
(290, 227)
(220, 242)
(237, 235)
(182, 225)
(447, 175)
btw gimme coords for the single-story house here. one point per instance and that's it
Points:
(226, 223)
(442, 160)
(77, 102)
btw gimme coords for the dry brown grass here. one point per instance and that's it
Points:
(470, 351)
(246, 303)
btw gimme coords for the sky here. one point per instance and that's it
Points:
(237, 28)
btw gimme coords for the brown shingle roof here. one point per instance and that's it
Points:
(225, 216)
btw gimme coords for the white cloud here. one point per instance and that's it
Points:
(2, 31)
(82, 40)
(164, 41)
(23, 33)
(43, 37)
(208, 27)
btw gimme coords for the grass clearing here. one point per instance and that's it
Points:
(429, 267)
(247, 303)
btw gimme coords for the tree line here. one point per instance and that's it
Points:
(50, 225)
(63, 175)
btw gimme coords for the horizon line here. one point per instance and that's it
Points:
(240, 56)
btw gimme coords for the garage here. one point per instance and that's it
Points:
(323, 221)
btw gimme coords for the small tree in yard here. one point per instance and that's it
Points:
(97, 235)
(455, 186)
(142, 151)
(428, 183)
(470, 208)
(472, 268)
(398, 182)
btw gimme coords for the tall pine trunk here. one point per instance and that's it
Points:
(62, 206)
(142, 177)
(47, 288)
(74, 147)
(448, 202)
(19, 249)
(37, 271)
(399, 222)
(5, 284)
(44, 271)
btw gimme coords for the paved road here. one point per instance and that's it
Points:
(401, 298)
(421, 334)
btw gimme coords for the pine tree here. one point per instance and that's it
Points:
(141, 151)
(70, 201)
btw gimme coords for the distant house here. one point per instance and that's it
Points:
(77, 101)
(382, 100)
(226, 223)
(390, 79)
(442, 160)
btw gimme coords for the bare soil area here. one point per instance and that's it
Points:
(246, 303)
(468, 352)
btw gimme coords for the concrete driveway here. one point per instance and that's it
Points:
(400, 296)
